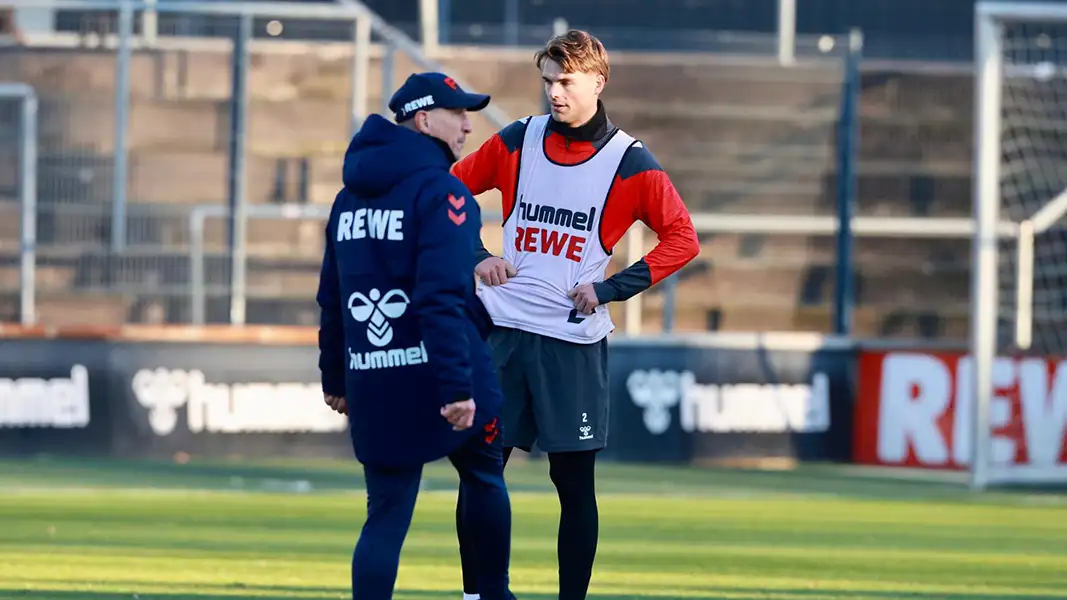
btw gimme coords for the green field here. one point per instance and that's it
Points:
(103, 530)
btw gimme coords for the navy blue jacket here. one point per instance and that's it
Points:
(398, 337)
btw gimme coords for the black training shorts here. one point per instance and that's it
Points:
(555, 392)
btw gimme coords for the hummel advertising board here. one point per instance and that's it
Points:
(671, 401)
(157, 399)
(730, 398)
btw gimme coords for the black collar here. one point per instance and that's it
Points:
(595, 129)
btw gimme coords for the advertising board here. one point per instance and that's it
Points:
(134, 399)
(710, 398)
(51, 397)
(914, 409)
(731, 397)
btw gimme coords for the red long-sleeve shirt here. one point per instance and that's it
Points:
(642, 191)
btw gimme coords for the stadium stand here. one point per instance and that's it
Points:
(741, 136)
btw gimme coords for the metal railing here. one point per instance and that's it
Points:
(237, 39)
(152, 220)
(27, 175)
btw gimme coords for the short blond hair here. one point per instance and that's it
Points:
(576, 51)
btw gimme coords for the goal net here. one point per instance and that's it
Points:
(1019, 324)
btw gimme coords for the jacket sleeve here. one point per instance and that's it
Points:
(331, 324)
(448, 226)
(644, 192)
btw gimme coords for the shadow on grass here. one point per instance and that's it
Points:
(523, 476)
(291, 592)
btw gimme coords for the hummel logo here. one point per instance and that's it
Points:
(656, 392)
(378, 309)
(457, 203)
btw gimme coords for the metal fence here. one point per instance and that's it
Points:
(137, 130)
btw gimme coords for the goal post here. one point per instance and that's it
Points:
(1019, 261)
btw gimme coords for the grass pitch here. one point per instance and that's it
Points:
(109, 530)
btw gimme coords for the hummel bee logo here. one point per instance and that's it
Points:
(586, 432)
(378, 309)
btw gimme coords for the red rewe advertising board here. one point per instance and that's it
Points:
(915, 409)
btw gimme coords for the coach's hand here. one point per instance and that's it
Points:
(336, 402)
(584, 297)
(459, 414)
(495, 270)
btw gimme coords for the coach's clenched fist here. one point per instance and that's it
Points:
(459, 414)
(337, 403)
(495, 271)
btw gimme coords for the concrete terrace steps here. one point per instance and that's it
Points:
(48, 278)
(61, 309)
(690, 123)
(783, 286)
(191, 177)
(923, 94)
(801, 250)
(145, 272)
(739, 310)
(888, 187)
(321, 125)
(326, 69)
(726, 84)
(915, 138)
(289, 127)
(751, 138)
(78, 235)
(115, 309)
(317, 129)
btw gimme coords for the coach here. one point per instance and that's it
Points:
(399, 352)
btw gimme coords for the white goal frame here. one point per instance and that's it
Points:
(989, 19)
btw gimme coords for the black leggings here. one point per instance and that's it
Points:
(574, 475)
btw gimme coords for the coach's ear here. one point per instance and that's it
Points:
(600, 83)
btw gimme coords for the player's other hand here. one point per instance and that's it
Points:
(337, 403)
(584, 297)
(459, 414)
(495, 271)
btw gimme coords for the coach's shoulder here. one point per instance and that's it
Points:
(638, 159)
(444, 185)
(513, 134)
(447, 189)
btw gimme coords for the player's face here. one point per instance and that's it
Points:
(571, 96)
(451, 126)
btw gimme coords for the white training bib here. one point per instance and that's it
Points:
(552, 236)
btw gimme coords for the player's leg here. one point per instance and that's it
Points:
(467, 555)
(573, 474)
(570, 400)
(391, 496)
(518, 429)
(486, 514)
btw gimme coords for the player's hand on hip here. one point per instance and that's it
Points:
(495, 271)
(337, 403)
(459, 414)
(584, 297)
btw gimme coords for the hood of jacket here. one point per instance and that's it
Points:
(382, 154)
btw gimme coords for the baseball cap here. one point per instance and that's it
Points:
(426, 91)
